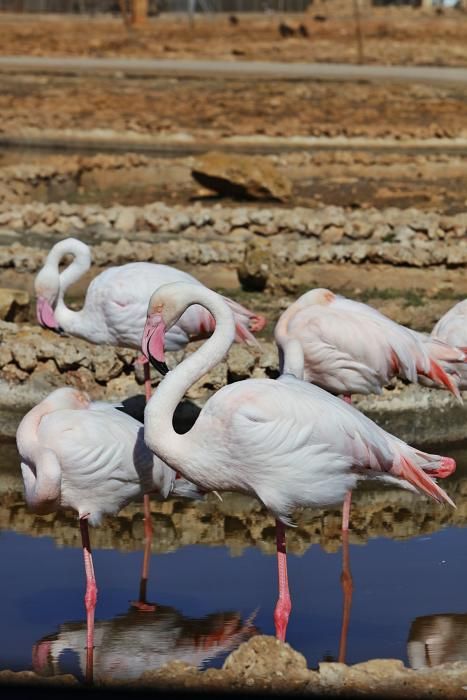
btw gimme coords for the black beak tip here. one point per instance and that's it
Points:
(157, 364)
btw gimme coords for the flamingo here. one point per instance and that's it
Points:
(91, 457)
(286, 442)
(348, 347)
(452, 329)
(131, 644)
(116, 302)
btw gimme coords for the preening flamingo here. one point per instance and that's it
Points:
(347, 347)
(452, 329)
(91, 457)
(132, 644)
(114, 310)
(285, 441)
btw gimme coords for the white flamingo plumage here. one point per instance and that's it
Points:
(452, 328)
(91, 457)
(285, 441)
(348, 347)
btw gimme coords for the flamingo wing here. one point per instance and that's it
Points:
(298, 445)
(104, 460)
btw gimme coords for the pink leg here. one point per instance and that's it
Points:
(347, 587)
(346, 511)
(90, 597)
(348, 498)
(141, 603)
(284, 604)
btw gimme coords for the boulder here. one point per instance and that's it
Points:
(240, 176)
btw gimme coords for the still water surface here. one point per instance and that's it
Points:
(409, 602)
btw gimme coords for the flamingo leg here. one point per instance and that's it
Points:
(141, 603)
(348, 497)
(347, 587)
(284, 603)
(90, 597)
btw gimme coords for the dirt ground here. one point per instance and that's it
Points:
(215, 108)
(390, 36)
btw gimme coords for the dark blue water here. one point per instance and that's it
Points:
(394, 582)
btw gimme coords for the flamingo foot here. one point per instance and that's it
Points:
(142, 606)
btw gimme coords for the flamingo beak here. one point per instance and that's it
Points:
(46, 317)
(153, 342)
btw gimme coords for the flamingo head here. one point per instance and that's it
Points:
(166, 306)
(46, 287)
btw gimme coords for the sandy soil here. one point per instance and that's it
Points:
(396, 35)
(216, 108)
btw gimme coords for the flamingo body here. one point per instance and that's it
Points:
(286, 441)
(347, 347)
(452, 329)
(88, 456)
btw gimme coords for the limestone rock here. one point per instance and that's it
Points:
(12, 302)
(251, 177)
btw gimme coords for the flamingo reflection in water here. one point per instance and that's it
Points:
(91, 457)
(287, 442)
(437, 639)
(129, 645)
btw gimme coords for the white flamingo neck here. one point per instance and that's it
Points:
(159, 433)
(291, 357)
(76, 269)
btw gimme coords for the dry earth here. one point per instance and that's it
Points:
(391, 35)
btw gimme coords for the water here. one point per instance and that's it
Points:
(209, 601)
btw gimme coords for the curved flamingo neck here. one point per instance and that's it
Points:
(159, 433)
(80, 264)
(291, 357)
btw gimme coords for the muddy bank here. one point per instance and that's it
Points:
(265, 665)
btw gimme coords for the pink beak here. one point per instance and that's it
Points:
(153, 342)
(45, 314)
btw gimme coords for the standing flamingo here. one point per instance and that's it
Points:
(285, 441)
(90, 457)
(347, 347)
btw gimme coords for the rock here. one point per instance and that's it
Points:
(261, 268)
(12, 302)
(240, 176)
(29, 677)
(265, 661)
(125, 221)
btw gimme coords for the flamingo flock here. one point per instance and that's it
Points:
(290, 442)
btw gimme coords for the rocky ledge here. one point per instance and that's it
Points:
(33, 363)
(265, 665)
(268, 246)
